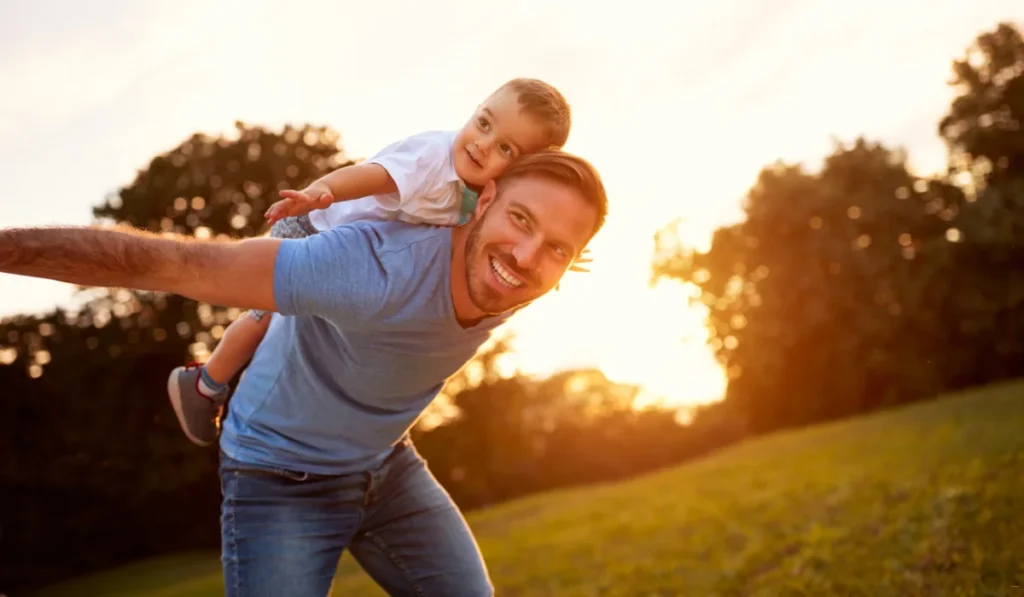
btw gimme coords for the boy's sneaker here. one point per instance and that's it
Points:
(198, 415)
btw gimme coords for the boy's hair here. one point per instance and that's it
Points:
(565, 168)
(544, 102)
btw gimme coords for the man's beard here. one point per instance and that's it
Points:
(481, 294)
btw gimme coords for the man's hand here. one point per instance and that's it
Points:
(297, 203)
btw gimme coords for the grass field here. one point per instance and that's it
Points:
(924, 500)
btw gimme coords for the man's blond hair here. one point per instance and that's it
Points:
(564, 168)
(545, 103)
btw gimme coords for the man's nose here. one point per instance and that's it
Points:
(527, 253)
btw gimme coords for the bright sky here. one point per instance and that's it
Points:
(678, 105)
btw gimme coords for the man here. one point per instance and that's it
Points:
(315, 452)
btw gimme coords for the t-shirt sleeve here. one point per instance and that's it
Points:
(336, 274)
(417, 164)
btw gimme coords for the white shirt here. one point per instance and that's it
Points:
(429, 190)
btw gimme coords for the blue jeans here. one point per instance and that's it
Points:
(283, 531)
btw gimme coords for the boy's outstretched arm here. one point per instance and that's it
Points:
(226, 273)
(343, 184)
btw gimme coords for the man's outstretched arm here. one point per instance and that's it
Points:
(226, 273)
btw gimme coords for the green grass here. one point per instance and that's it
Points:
(924, 500)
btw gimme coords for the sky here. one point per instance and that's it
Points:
(679, 106)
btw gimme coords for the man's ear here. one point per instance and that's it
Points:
(487, 196)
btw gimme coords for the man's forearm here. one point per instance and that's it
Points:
(92, 256)
(221, 273)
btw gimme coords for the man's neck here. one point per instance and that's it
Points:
(466, 313)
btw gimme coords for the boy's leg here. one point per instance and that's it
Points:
(414, 540)
(198, 392)
(283, 532)
(240, 341)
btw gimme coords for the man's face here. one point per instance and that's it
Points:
(523, 242)
(498, 133)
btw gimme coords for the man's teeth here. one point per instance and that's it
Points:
(504, 276)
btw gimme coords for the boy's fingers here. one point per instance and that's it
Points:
(272, 210)
(294, 195)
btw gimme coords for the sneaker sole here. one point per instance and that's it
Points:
(175, 393)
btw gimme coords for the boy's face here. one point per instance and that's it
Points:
(497, 134)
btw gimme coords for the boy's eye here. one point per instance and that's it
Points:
(558, 250)
(518, 219)
(484, 125)
(506, 149)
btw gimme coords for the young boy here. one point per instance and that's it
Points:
(429, 178)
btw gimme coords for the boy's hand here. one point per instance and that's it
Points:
(297, 203)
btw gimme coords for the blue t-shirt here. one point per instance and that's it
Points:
(368, 338)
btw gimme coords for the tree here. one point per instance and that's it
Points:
(513, 436)
(864, 285)
(983, 128)
(983, 131)
(826, 300)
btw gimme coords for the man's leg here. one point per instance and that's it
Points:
(283, 532)
(414, 540)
